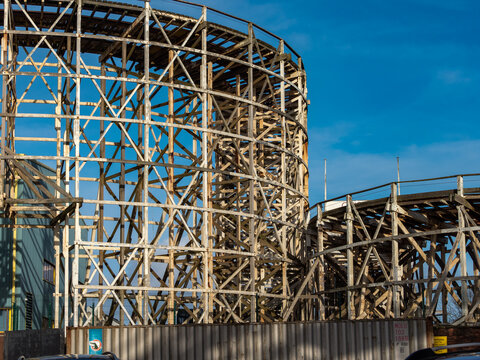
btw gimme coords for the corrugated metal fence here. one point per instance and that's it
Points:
(369, 340)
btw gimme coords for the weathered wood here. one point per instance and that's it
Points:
(421, 269)
(117, 102)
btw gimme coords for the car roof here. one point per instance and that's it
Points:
(72, 356)
(429, 354)
(468, 354)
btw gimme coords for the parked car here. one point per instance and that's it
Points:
(104, 356)
(471, 352)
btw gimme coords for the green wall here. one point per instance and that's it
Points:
(33, 247)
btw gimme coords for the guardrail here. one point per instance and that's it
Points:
(404, 187)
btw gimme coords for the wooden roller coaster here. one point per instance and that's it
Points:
(399, 256)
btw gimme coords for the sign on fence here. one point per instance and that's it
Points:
(95, 341)
(401, 339)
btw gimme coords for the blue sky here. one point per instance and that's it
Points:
(385, 79)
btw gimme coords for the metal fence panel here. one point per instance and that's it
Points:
(365, 340)
(32, 343)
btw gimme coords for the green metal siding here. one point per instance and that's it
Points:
(33, 246)
(6, 262)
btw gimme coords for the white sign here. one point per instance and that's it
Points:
(401, 339)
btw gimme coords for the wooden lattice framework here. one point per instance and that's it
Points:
(401, 256)
(179, 144)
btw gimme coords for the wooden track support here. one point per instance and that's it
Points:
(179, 176)
(401, 256)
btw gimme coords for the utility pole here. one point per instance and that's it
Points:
(398, 175)
(325, 179)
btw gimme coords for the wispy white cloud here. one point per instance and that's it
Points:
(457, 5)
(325, 137)
(349, 172)
(453, 76)
(273, 16)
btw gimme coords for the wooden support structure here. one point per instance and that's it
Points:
(414, 255)
(180, 176)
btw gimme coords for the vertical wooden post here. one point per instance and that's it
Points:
(431, 267)
(283, 170)
(146, 154)
(58, 173)
(101, 192)
(171, 161)
(395, 266)
(56, 245)
(462, 246)
(238, 188)
(204, 146)
(444, 290)
(476, 288)
(6, 11)
(76, 141)
(363, 291)
(209, 182)
(350, 270)
(321, 265)
(251, 159)
(66, 230)
(198, 257)
(302, 185)
(121, 185)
